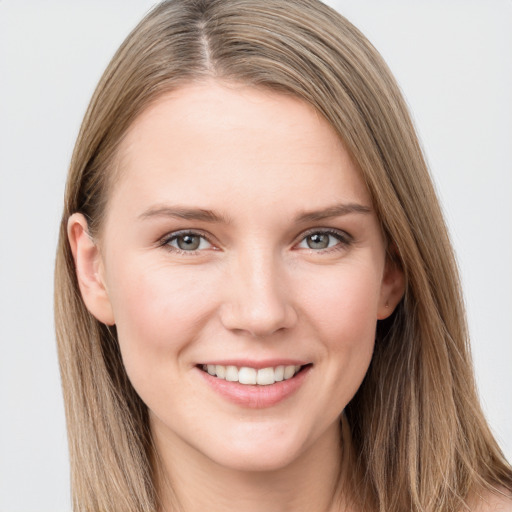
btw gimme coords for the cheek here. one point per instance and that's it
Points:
(345, 306)
(158, 311)
(345, 317)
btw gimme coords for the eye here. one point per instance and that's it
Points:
(186, 242)
(320, 240)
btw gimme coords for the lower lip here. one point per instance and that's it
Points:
(254, 396)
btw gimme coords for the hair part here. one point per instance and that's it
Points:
(419, 437)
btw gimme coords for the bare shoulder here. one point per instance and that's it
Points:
(500, 501)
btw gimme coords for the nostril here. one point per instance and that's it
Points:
(259, 320)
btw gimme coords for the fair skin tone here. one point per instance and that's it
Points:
(240, 234)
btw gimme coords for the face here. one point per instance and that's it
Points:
(245, 271)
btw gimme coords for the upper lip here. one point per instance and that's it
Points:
(250, 363)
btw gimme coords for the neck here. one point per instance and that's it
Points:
(190, 482)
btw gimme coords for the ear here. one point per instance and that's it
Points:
(392, 288)
(89, 269)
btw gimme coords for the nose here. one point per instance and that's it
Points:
(258, 300)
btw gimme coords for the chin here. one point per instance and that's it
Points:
(251, 461)
(260, 452)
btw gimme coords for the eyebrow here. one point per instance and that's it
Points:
(333, 211)
(181, 212)
(204, 215)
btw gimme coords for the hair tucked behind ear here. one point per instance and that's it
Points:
(419, 437)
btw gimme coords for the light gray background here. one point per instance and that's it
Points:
(453, 61)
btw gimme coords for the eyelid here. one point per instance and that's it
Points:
(344, 238)
(168, 237)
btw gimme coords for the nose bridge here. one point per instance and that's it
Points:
(258, 297)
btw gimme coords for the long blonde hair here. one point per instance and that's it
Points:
(418, 433)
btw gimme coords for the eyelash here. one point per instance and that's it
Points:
(344, 239)
(167, 239)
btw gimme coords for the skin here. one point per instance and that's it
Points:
(254, 289)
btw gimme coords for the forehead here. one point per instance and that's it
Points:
(216, 141)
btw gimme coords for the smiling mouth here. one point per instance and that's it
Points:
(253, 376)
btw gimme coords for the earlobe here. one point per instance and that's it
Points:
(392, 289)
(89, 269)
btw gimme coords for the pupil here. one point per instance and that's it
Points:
(188, 242)
(318, 241)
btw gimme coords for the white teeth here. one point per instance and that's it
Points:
(232, 373)
(279, 373)
(289, 371)
(220, 371)
(266, 376)
(247, 375)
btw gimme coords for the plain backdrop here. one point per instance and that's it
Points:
(453, 62)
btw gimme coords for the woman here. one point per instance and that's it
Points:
(257, 304)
